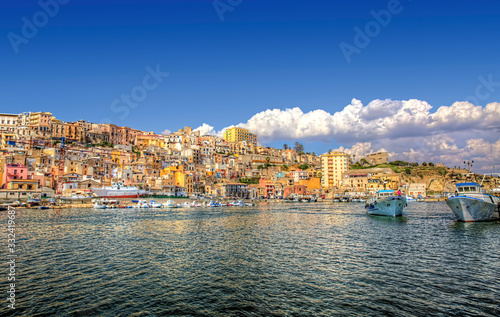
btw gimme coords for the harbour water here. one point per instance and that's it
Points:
(318, 259)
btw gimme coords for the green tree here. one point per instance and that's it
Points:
(285, 146)
(408, 171)
(431, 164)
(424, 164)
(299, 148)
(303, 166)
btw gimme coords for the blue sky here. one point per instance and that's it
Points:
(264, 54)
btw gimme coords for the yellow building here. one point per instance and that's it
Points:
(333, 166)
(181, 178)
(311, 183)
(236, 134)
(40, 124)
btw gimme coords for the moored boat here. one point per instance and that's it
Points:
(154, 204)
(118, 190)
(170, 204)
(472, 203)
(386, 203)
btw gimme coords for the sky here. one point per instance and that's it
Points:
(419, 79)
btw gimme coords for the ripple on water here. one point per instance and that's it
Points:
(318, 259)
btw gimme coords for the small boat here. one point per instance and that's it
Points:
(44, 207)
(410, 198)
(186, 205)
(33, 202)
(143, 204)
(472, 203)
(214, 204)
(98, 204)
(386, 203)
(170, 204)
(154, 204)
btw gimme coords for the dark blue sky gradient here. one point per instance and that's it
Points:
(265, 54)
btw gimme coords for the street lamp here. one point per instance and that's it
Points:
(469, 164)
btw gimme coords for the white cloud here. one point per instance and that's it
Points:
(166, 132)
(407, 129)
(206, 129)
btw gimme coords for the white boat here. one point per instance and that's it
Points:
(170, 204)
(214, 204)
(98, 204)
(386, 203)
(186, 205)
(74, 196)
(410, 198)
(143, 204)
(118, 190)
(154, 204)
(472, 203)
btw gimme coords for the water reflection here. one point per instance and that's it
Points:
(290, 259)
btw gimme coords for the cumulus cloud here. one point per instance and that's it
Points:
(407, 129)
(166, 132)
(206, 129)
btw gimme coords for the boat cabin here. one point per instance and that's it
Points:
(385, 193)
(469, 188)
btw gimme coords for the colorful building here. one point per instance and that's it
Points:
(333, 165)
(236, 134)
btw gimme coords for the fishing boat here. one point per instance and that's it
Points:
(118, 190)
(471, 203)
(386, 203)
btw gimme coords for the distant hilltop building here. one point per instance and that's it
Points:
(378, 158)
(236, 134)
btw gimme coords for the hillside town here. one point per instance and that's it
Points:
(42, 156)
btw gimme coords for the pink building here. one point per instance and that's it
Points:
(14, 171)
(299, 190)
(269, 187)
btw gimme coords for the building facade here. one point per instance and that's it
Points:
(236, 134)
(333, 166)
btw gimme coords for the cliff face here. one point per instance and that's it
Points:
(443, 179)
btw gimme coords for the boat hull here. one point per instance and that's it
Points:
(128, 193)
(392, 207)
(468, 209)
